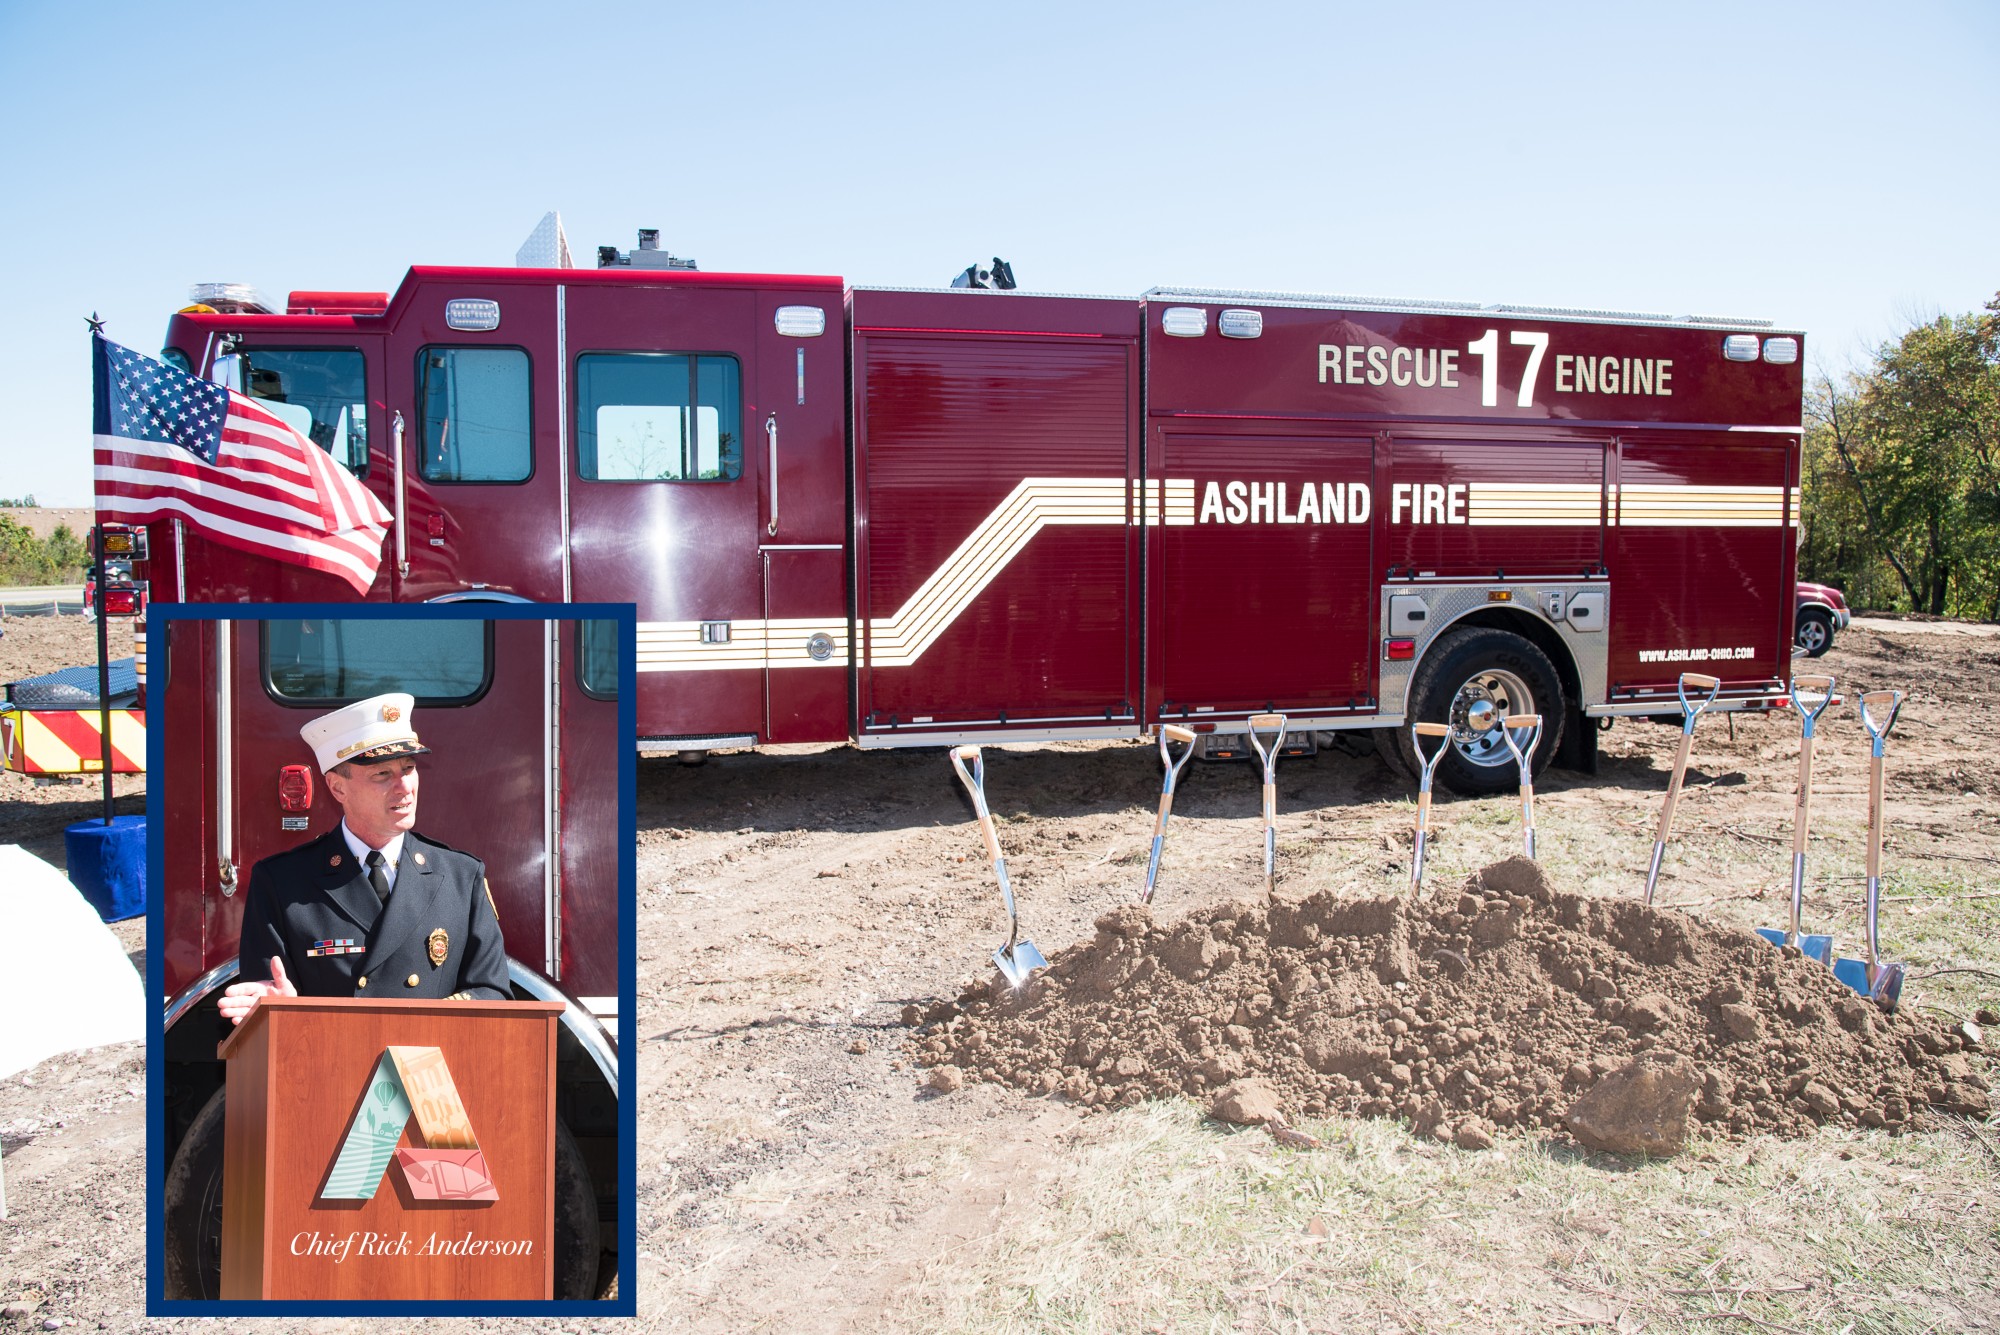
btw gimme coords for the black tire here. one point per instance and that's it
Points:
(1814, 635)
(577, 1235)
(193, 1214)
(1392, 754)
(193, 1193)
(1448, 680)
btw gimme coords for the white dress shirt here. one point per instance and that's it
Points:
(392, 853)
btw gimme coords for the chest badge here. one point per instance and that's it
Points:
(439, 945)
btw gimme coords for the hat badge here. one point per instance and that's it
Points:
(390, 713)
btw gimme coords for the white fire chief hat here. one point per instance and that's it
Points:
(366, 731)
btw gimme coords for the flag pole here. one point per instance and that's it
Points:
(103, 649)
(104, 690)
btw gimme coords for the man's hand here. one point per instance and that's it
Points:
(238, 998)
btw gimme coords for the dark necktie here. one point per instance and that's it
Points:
(377, 877)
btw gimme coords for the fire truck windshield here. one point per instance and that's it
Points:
(322, 392)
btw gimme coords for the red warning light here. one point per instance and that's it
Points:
(295, 788)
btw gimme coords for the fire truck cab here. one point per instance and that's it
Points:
(910, 517)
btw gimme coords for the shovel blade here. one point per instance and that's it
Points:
(1022, 961)
(1885, 991)
(1816, 947)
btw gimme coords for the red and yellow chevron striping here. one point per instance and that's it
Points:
(66, 741)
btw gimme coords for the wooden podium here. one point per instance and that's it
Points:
(303, 1072)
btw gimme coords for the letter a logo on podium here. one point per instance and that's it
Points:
(448, 1166)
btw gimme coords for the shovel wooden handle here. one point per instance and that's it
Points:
(972, 770)
(1802, 806)
(1674, 786)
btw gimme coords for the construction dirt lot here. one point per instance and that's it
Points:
(808, 1161)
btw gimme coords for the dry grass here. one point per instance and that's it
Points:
(1162, 1222)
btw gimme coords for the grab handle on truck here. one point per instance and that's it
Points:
(402, 530)
(771, 430)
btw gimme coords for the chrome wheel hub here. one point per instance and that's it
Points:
(1481, 705)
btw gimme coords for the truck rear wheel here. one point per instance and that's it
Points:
(193, 1223)
(1497, 668)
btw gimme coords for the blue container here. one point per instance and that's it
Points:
(107, 863)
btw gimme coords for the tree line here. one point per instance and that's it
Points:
(60, 558)
(1901, 473)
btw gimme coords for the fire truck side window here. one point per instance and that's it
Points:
(597, 658)
(658, 417)
(477, 423)
(322, 392)
(331, 662)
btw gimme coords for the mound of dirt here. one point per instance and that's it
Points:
(1502, 1006)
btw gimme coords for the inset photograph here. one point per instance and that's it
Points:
(393, 932)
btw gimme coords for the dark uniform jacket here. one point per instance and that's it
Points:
(313, 907)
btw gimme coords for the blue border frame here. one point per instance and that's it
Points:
(158, 618)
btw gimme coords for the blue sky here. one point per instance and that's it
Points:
(1829, 166)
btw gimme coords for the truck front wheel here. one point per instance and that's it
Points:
(1480, 671)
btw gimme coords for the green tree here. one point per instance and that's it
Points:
(61, 558)
(67, 554)
(1902, 468)
(22, 557)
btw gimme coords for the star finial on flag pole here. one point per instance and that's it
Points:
(96, 325)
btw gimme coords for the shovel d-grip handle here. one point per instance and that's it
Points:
(1275, 724)
(1170, 735)
(1690, 711)
(1820, 690)
(1524, 761)
(1419, 731)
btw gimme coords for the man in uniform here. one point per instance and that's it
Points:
(371, 908)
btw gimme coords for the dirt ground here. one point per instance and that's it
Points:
(794, 1172)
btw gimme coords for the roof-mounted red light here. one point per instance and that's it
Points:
(337, 303)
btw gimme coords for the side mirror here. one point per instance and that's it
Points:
(228, 371)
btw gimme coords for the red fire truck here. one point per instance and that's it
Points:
(521, 716)
(926, 517)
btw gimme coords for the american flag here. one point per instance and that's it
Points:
(171, 446)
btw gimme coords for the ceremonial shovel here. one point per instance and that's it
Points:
(1018, 958)
(1419, 731)
(1689, 713)
(1168, 733)
(1270, 759)
(1883, 983)
(1524, 759)
(1817, 947)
